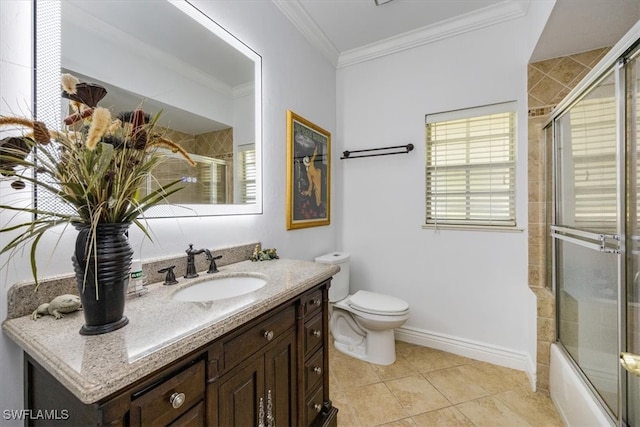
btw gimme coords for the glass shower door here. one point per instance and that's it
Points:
(587, 246)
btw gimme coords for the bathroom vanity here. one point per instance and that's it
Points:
(258, 359)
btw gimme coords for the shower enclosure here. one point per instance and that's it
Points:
(595, 239)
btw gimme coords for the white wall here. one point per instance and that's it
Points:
(466, 289)
(294, 77)
(15, 97)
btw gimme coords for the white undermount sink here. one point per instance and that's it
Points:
(220, 288)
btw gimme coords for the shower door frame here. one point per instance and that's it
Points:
(615, 243)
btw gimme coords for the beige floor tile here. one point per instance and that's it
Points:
(536, 408)
(447, 417)
(491, 412)
(417, 395)
(374, 404)
(425, 359)
(401, 368)
(407, 422)
(495, 379)
(349, 372)
(455, 385)
(397, 395)
(346, 416)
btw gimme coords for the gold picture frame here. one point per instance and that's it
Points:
(308, 173)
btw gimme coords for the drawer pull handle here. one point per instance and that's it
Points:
(268, 335)
(315, 302)
(316, 333)
(177, 399)
(317, 370)
(317, 407)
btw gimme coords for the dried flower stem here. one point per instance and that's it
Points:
(99, 125)
(40, 131)
(159, 141)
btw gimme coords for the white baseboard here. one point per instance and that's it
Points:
(472, 349)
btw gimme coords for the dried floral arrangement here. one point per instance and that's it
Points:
(96, 166)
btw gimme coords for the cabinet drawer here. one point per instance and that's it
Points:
(156, 406)
(313, 372)
(313, 334)
(253, 339)
(311, 303)
(314, 407)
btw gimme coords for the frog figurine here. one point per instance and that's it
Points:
(264, 255)
(58, 306)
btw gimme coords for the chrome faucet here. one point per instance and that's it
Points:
(191, 263)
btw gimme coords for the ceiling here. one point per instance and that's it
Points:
(350, 31)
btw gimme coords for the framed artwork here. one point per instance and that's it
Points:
(308, 173)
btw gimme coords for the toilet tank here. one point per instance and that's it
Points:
(340, 283)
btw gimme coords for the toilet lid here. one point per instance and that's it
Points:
(371, 302)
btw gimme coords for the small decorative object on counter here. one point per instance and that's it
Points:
(58, 307)
(264, 255)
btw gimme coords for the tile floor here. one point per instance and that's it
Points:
(427, 387)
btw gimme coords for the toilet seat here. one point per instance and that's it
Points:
(380, 304)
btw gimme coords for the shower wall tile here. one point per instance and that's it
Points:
(567, 71)
(590, 58)
(546, 329)
(536, 273)
(544, 349)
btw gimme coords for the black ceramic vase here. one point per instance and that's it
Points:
(102, 263)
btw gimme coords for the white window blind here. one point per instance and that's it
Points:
(470, 166)
(247, 174)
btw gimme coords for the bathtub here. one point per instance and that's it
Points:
(573, 399)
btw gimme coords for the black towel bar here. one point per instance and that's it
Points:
(348, 154)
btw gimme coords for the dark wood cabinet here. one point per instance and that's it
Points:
(271, 371)
(262, 390)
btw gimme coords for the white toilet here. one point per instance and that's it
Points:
(362, 324)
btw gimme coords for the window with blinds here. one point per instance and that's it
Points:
(470, 166)
(247, 175)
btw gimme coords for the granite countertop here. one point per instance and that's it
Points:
(160, 329)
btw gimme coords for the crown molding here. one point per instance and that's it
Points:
(299, 17)
(490, 15)
(485, 17)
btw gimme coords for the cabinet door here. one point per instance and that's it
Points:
(239, 394)
(280, 380)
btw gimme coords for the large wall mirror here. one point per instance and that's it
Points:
(165, 56)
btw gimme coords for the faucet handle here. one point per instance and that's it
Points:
(213, 268)
(189, 250)
(170, 278)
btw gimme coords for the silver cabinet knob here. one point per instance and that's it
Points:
(268, 335)
(177, 399)
(317, 407)
(315, 302)
(316, 333)
(317, 370)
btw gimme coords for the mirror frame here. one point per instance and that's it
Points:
(47, 54)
